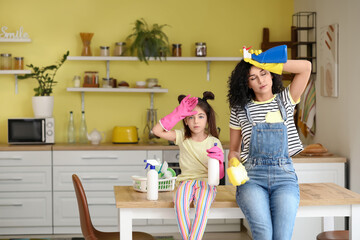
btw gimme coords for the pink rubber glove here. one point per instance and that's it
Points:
(182, 111)
(216, 153)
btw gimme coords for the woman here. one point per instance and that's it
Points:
(264, 137)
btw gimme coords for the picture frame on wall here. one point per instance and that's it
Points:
(329, 60)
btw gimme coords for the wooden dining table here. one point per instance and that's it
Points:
(325, 200)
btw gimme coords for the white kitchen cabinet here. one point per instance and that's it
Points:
(25, 192)
(99, 172)
(334, 172)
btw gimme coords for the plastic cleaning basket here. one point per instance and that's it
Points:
(139, 184)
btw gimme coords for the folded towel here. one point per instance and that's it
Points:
(309, 110)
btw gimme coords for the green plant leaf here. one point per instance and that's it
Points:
(148, 41)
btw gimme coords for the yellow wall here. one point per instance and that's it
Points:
(54, 28)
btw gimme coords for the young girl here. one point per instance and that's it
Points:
(196, 143)
(264, 137)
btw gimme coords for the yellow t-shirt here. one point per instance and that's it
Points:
(193, 158)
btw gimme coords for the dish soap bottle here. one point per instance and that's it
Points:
(152, 184)
(83, 129)
(71, 129)
(213, 171)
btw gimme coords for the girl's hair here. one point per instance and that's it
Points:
(210, 114)
(239, 93)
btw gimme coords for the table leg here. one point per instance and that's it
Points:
(125, 223)
(328, 224)
(355, 222)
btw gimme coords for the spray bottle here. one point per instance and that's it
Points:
(152, 182)
(213, 171)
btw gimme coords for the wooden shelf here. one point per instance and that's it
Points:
(124, 90)
(15, 72)
(15, 40)
(169, 59)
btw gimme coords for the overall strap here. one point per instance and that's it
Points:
(248, 115)
(281, 107)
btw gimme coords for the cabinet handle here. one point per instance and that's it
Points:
(11, 179)
(99, 178)
(102, 204)
(11, 205)
(10, 158)
(97, 158)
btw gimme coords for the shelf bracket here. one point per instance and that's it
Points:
(152, 100)
(16, 84)
(107, 69)
(208, 71)
(82, 101)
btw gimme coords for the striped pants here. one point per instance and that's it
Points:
(203, 195)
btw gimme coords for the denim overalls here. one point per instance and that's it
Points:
(269, 200)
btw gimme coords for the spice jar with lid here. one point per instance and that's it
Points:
(5, 61)
(200, 49)
(176, 50)
(120, 48)
(151, 82)
(18, 63)
(106, 83)
(104, 51)
(76, 81)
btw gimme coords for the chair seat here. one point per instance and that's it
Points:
(333, 235)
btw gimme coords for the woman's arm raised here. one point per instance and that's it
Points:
(302, 71)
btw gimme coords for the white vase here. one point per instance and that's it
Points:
(43, 106)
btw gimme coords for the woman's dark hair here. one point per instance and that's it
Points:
(239, 93)
(210, 114)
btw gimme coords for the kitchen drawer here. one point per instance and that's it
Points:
(99, 158)
(102, 209)
(14, 179)
(95, 177)
(25, 158)
(25, 209)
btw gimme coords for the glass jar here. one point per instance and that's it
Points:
(176, 50)
(5, 61)
(120, 48)
(151, 82)
(107, 83)
(104, 51)
(91, 79)
(18, 63)
(200, 49)
(76, 81)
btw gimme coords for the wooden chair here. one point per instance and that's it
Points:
(87, 228)
(333, 235)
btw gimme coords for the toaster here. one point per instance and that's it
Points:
(127, 134)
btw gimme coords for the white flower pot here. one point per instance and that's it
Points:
(43, 106)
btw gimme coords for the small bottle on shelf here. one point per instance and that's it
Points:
(71, 129)
(83, 129)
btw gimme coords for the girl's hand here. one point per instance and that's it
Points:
(216, 153)
(186, 106)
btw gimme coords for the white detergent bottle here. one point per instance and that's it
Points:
(213, 171)
(152, 184)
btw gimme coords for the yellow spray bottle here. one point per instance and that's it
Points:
(236, 172)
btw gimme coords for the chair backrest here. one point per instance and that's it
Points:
(87, 227)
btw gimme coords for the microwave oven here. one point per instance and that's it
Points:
(31, 131)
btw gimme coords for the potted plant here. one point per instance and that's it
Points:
(149, 41)
(42, 101)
